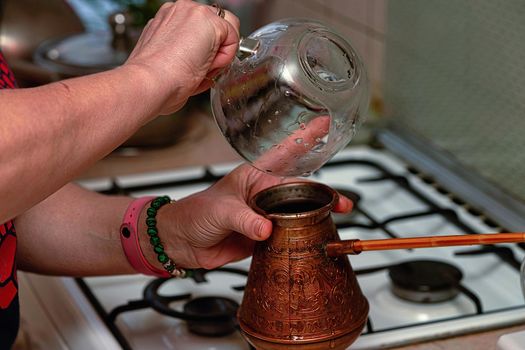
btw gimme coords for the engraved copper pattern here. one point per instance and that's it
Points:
(296, 293)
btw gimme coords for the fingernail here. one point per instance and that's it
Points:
(261, 228)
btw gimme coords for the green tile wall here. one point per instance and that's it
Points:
(455, 75)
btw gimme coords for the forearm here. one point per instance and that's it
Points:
(76, 232)
(73, 232)
(52, 133)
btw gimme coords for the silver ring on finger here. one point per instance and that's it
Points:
(220, 11)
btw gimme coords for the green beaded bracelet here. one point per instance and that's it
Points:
(155, 241)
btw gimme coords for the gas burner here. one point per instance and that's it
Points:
(210, 316)
(215, 308)
(425, 281)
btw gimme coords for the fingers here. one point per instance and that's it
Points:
(286, 156)
(255, 181)
(233, 248)
(227, 32)
(208, 82)
(182, 46)
(234, 21)
(241, 218)
(344, 205)
(226, 15)
(229, 41)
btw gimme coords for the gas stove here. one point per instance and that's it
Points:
(414, 295)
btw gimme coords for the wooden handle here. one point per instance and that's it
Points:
(356, 246)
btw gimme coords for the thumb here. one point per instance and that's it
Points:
(247, 222)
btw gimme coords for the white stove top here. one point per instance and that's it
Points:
(393, 321)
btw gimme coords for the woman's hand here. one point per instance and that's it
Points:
(217, 226)
(182, 48)
(285, 158)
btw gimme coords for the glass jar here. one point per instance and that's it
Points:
(295, 95)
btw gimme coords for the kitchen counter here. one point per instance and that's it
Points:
(203, 144)
(477, 341)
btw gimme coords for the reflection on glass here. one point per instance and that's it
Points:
(294, 103)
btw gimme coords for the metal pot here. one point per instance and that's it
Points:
(297, 297)
(22, 30)
(89, 52)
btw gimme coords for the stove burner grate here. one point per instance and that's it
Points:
(210, 316)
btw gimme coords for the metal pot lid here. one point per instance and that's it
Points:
(81, 54)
